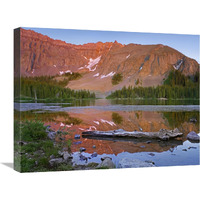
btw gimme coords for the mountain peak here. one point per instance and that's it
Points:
(42, 55)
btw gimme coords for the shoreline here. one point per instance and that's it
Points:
(57, 107)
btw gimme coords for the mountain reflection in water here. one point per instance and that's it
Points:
(77, 120)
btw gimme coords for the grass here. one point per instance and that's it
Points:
(33, 131)
(27, 164)
(16, 130)
(64, 167)
(33, 153)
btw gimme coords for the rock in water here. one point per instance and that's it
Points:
(192, 147)
(82, 149)
(151, 154)
(79, 142)
(82, 158)
(66, 156)
(193, 136)
(107, 162)
(94, 155)
(77, 136)
(134, 163)
(184, 149)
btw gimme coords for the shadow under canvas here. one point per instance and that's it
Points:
(10, 165)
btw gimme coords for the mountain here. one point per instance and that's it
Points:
(145, 65)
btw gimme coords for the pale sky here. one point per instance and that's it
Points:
(186, 44)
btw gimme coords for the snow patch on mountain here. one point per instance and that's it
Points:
(84, 57)
(65, 72)
(178, 64)
(92, 63)
(141, 66)
(92, 70)
(108, 75)
(96, 75)
(127, 56)
(68, 71)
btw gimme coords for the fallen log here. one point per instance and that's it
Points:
(163, 143)
(162, 134)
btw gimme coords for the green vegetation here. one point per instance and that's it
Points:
(33, 131)
(176, 78)
(138, 81)
(17, 130)
(33, 150)
(73, 76)
(117, 78)
(177, 92)
(50, 87)
(117, 119)
(176, 86)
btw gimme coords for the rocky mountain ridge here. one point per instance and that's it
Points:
(98, 62)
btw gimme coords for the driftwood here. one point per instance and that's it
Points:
(162, 143)
(163, 134)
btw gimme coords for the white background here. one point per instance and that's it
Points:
(171, 16)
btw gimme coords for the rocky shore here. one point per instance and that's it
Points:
(79, 161)
(49, 155)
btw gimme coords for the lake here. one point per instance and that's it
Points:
(130, 115)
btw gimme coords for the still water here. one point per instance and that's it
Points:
(78, 116)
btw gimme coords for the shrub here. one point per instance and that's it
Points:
(16, 130)
(27, 165)
(69, 144)
(33, 131)
(43, 162)
(137, 82)
(117, 78)
(30, 148)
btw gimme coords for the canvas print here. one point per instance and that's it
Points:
(87, 100)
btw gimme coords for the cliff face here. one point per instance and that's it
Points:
(41, 55)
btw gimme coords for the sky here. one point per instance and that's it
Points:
(186, 44)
